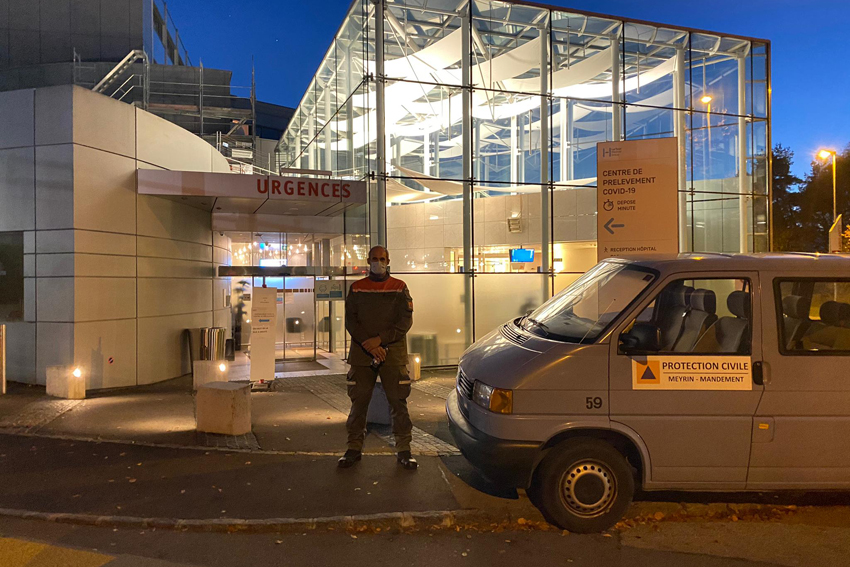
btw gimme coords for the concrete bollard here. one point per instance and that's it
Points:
(414, 366)
(224, 408)
(66, 382)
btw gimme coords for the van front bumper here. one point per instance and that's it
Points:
(505, 462)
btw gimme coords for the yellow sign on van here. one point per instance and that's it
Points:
(692, 373)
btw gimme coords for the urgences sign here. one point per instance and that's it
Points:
(199, 184)
(304, 188)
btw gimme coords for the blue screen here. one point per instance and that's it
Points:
(522, 255)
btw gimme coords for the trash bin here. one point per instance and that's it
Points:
(212, 341)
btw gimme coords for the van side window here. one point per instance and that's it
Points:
(711, 316)
(815, 316)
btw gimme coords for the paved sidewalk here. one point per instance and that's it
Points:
(302, 415)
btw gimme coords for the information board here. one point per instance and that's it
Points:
(263, 333)
(637, 198)
(330, 290)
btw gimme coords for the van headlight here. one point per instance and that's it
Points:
(496, 400)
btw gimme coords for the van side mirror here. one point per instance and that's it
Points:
(643, 338)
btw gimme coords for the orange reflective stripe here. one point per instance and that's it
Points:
(388, 285)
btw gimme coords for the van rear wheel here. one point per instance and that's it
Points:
(584, 486)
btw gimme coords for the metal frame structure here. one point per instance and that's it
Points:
(462, 100)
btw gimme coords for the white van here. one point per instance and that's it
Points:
(697, 372)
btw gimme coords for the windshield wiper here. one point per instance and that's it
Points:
(542, 326)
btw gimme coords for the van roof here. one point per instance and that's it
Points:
(790, 262)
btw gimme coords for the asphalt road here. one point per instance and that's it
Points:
(170, 549)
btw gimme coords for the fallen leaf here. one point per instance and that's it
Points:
(353, 536)
(278, 541)
(182, 492)
(247, 462)
(658, 516)
(132, 480)
(464, 554)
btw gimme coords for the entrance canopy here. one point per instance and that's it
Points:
(258, 202)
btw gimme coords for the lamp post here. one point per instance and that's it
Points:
(825, 155)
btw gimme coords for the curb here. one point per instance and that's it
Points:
(388, 521)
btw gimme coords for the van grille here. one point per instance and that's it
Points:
(464, 385)
(510, 333)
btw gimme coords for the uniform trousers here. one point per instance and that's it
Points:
(361, 383)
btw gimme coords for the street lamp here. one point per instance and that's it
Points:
(825, 155)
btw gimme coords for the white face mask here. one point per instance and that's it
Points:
(378, 268)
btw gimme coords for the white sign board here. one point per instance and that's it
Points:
(637, 198)
(835, 235)
(692, 373)
(263, 332)
(329, 290)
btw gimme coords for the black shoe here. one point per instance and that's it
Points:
(407, 461)
(349, 458)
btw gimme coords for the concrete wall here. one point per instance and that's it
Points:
(34, 32)
(112, 278)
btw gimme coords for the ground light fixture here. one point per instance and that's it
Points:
(825, 155)
(77, 372)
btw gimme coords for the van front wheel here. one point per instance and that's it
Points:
(584, 486)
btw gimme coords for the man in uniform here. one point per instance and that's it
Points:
(378, 314)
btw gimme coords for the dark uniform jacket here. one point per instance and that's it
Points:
(378, 308)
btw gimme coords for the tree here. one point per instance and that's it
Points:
(787, 226)
(802, 210)
(816, 201)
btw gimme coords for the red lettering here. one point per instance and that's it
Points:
(262, 187)
(325, 190)
(276, 187)
(313, 189)
(301, 188)
(288, 187)
(336, 190)
(345, 192)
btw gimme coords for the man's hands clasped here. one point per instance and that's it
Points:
(373, 347)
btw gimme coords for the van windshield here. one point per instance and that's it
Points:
(582, 311)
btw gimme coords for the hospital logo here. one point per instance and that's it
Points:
(646, 371)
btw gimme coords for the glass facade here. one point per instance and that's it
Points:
(476, 124)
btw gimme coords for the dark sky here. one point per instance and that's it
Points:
(810, 38)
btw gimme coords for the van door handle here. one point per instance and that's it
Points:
(758, 373)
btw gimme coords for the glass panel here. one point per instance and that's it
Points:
(759, 65)
(494, 307)
(439, 333)
(581, 312)
(11, 276)
(421, 44)
(563, 281)
(815, 316)
(695, 316)
(427, 236)
(298, 318)
(425, 134)
(507, 217)
(507, 50)
(582, 50)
